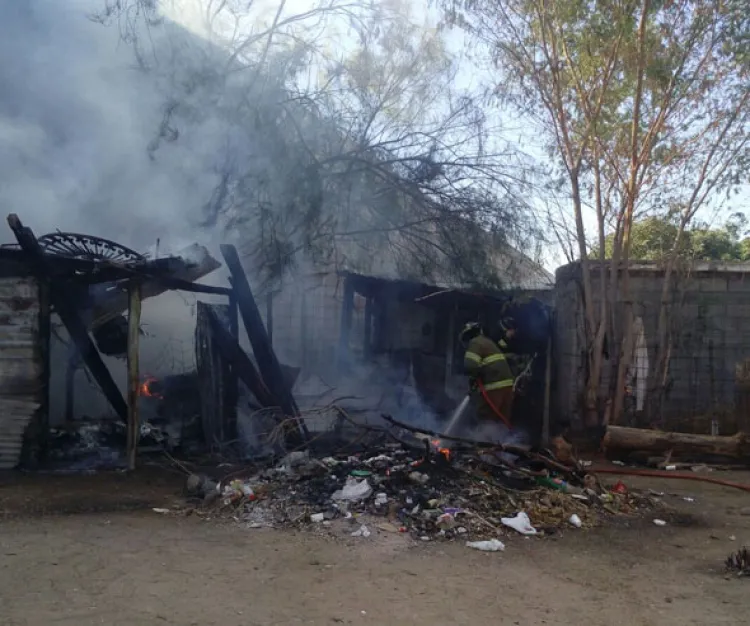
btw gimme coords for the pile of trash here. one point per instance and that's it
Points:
(398, 490)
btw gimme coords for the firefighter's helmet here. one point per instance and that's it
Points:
(470, 330)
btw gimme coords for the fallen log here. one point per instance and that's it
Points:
(623, 439)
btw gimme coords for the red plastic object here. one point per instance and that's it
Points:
(619, 487)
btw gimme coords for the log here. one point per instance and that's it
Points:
(625, 439)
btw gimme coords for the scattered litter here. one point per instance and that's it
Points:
(388, 527)
(660, 522)
(236, 490)
(363, 531)
(619, 487)
(162, 511)
(353, 491)
(491, 545)
(410, 489)
(732, 538)
(420, 478)
(520, 523)
(575, 520)
(688, 499)
(620, 463)
(670, 468)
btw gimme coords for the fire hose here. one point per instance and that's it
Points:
(663, 474)
(491, 404)
(525, 373)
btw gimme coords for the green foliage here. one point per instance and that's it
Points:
(653, 240)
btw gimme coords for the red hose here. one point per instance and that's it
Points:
(663, 474)
(486, 397)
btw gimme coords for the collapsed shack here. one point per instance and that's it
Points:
(87, 282)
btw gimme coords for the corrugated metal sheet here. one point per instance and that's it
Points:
(20, 367)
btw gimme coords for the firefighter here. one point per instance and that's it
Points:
(485, 363)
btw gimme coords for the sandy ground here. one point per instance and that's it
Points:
(127, 565)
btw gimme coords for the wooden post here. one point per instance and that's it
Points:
(231, 383)
(547, 394)
(134, 322)
(71, 367)
(45, 326)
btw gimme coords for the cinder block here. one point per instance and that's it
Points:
(739, 282)
(713, 283)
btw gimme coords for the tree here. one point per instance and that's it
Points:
(653, 238)
(345, 153)
(642, 104)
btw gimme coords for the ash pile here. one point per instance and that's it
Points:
(409, 482)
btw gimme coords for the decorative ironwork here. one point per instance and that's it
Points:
(87, 247)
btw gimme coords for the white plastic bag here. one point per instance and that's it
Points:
(362, 532)
(492, 545)
(353, 490)
(520, 523)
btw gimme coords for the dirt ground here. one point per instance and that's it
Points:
(89, 550)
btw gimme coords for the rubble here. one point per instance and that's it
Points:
(429, 495)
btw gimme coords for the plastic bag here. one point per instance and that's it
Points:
(492, 545)
(353, 491)
(520, 523)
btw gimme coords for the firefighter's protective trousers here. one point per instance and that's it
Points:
(485, 360)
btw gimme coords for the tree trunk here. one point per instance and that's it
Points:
(659, 442)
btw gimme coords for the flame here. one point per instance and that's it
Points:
(145, 388)
(441, 450)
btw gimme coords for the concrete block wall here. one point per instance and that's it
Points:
(307, 320)
(710, 324)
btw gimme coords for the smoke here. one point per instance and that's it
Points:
(76, 117)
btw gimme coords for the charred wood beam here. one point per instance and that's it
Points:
(232, 382)
(45, 334)
(134, 323)
(265, 356)
(521, 451)
(233, 353)
(177, 284)
(68, 313)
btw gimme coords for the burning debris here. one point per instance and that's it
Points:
(417, 487)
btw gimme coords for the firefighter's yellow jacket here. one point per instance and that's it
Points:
(485, 360)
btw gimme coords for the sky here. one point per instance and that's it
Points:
(75, 115)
